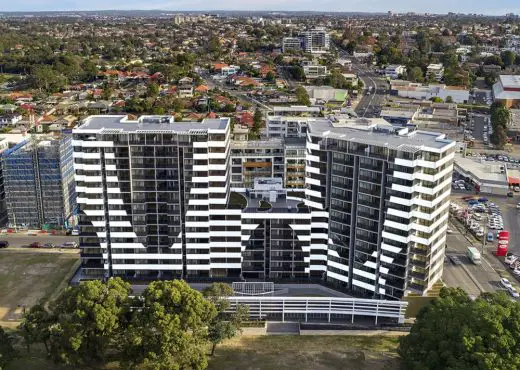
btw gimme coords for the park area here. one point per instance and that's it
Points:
(29, 276)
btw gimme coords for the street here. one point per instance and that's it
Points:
(370, 105)
(24, 240)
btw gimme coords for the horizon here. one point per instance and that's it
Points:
(442, 7)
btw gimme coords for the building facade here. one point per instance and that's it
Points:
(158, 199)
(39, 182)
(316, 40)
(291, 44)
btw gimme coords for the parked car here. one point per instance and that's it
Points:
(4, 243)
(505, 283)
(510, 259)
(48, 245)
(513, 292)
(36, 245)
(69, 245)
(510, 194)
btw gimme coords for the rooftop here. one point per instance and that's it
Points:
(122, 123)
(510, 81)
(375, 132)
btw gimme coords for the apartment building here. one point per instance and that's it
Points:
(38, 177)
(165, 199)
(290, 122)
(152, 196)
(291, 44)
(385, 191)
(316, 40)
(393, 71)
(315, 71)
(279, 158)
(435, 71)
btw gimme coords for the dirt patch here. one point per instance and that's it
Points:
(27, 277)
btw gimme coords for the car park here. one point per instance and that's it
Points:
(505, 283)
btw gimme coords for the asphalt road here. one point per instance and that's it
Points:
(370, 105)
(474, 279)
(23, 240)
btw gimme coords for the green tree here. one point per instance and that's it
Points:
(44, 77)
(500, 116)
(7, 351)
(508, 57)
(499, 137)
(35, 327)
(449, 99)
(270, 76)
(152, 90)
(454, 332)
(416, 74)
(169, 328)
(302, 96)
(257, 124)
(436, 99)
(86, 321)
(297, 73)
(224, 325)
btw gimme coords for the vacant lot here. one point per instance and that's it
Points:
(28, 276)
(307, 352)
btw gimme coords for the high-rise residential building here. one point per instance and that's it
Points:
(316, 40)
(158, 200)
(386, 194)
(39, 184)
(290, 122)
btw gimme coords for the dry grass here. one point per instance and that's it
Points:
(307, 352)
(28, 277)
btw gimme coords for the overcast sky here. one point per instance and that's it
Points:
(495, 7)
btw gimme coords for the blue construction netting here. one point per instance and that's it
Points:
(9, 151)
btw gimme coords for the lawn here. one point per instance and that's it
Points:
(29, 276)
(276, 352)
(307, 352)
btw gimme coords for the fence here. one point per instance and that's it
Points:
(319, 308)
(253, 288)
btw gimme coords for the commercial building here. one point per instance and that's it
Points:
(507, 90)
(159, 199)
(435, 71)
(38, 179)
(411, 90)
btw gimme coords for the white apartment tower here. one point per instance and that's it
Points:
(316, 40)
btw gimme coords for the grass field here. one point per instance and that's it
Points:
(28, 276)
(275, 352)
(307, 352)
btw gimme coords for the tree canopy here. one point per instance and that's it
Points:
(302, 96)
(455, 332)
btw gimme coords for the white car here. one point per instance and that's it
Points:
(513, 292)
(505, 283)
(516, 188)
(510, 259)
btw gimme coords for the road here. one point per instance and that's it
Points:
(370, 105)
(474, 279)
(23, 240)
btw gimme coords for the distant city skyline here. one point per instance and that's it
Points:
(498, 7)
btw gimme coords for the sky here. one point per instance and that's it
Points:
(495, 7)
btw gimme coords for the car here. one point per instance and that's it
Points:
(513, 292)
(510, 194)
(75, 232)
(516, 188)
(449, 231)
(69, 245)
(36, 245)
(4, 243)
(48, 245)
(510, 258)
(456, 260)
(505, 283)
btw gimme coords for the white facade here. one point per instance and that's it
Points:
(315, 71)
(316, 40)
(436, 71)
(393, 71)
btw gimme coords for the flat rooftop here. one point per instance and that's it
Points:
(374, 132)
(510, 81)
(148, 123)
(484, 172)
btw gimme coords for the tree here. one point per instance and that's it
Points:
(35, 327)
(449, 99)
(7, 351)
(499, 137)
(508, 57)
(416, 74)
(297, 73)
(86, 321)
(169, 330)
(500, 115)
(44, 77)
(153, 90)
(454, 332)
(436, 99)
(270, 76)
(257, 122)
(224, 325)
(302, 96)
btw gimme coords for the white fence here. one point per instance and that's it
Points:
(305, 308)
